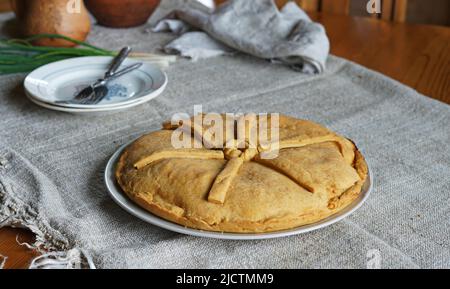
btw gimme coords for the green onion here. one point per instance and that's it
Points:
(20, 55)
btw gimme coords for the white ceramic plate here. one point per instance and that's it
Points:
(62, 80)
(90, 111)
(122, 200)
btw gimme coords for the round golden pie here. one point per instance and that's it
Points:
(314, 174)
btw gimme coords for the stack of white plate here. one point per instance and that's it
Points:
(52, 86)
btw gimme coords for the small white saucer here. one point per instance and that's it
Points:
(88, 111)
(60, 81)
(123, 201)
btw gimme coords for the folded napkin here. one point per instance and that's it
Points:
(254, 27)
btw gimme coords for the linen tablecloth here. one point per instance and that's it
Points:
(52, 164)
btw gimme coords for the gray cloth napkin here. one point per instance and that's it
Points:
(254, 27)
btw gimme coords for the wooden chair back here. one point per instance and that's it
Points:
(391, 10)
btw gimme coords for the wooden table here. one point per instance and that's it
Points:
(416, 55)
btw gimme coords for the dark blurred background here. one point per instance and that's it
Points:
(436, 12)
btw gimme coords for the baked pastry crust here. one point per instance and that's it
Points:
(316, 174)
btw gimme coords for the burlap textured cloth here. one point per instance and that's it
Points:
(52, 163)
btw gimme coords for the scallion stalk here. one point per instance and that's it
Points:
(20, 55)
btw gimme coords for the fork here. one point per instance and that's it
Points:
(117, 61)
(100, 90)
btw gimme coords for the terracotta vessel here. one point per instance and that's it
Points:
(53, 17)
(122, 13)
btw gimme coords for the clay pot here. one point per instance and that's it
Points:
(52, 17)
(122, 13)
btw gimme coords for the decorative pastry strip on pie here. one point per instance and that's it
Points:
(297, 143)
(248, 125)
(300, 184)
(249, 154)
(222, 183)
(179, 154)
(245, 126)
(193, 128)
(231, 153)
(169, 126)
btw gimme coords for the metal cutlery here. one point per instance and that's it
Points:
(117, 61)
(100, 89)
